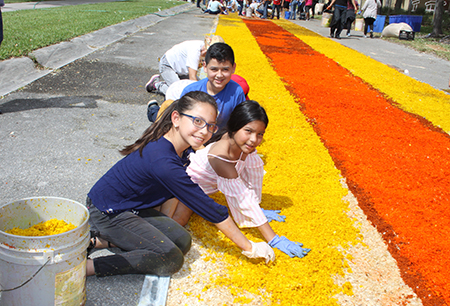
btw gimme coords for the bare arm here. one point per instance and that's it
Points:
(266, 231)
(192, 74)
(229, 228)
(331, 4)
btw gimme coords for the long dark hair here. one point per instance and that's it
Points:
(164, 124)
(244, 113)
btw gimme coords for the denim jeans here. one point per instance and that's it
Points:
(266, 7)
(241, 6)
(293, 4)
(152, 242)
(276, 7)
(337, 23)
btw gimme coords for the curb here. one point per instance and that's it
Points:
(18, 72)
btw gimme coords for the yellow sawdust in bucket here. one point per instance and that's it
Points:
(47, 228)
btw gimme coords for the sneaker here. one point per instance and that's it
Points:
(150, 86)
(348, 34)
(332, 35)
(152, 110)
(371, 34)
(152, 103)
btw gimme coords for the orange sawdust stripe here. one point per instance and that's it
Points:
(394, 162)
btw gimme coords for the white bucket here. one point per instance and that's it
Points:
(359, 24)
(326, 19)
(47, 270)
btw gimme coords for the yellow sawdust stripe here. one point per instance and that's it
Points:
(411, 95)
(301, 180)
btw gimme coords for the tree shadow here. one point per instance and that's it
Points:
(19, 105)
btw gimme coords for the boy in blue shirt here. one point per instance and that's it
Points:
(219, 66)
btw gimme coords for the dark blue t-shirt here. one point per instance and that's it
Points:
(227, 99)
(136, 182)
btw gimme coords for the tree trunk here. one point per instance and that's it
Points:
(437, 20)
(398, 5)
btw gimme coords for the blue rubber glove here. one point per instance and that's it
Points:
(273, 215)
(291, 248)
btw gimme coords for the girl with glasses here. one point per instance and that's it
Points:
(124, 203)
(230, 164)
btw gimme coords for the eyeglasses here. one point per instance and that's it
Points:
(200, 123)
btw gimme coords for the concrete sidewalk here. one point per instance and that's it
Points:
(62, 130)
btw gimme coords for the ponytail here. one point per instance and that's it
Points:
(162, 126)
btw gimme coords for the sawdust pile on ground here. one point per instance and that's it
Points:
(375, 276)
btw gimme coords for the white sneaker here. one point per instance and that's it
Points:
(150, 86)
(348, 35)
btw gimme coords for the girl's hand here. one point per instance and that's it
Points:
(291, 248)
(260, 250)
(273, 215)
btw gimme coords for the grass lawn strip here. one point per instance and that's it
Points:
(29, 30)
(396, 165)
(411, 95)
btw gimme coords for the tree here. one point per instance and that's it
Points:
(398, 5)
(437, 19)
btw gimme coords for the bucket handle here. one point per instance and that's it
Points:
(27, 281)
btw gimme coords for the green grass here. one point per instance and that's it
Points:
(28, 30)
(427, 45)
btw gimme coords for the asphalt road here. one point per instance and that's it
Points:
(61, 133)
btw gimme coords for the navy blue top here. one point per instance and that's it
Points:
(136, 182)
(226, 99)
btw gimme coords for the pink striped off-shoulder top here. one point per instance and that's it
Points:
(243, 193)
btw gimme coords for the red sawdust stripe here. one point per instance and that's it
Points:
(395, 163)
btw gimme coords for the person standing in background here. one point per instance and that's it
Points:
(286, 4)
(276, 6)
(308, 7)
(370, 8)
(351, 15)
(2, 3)
(339, 14)
(266, 8)
(294, 7)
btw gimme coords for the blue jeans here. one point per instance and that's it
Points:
(152, 242)
(293, 9)
(266, 7)
(278, 8)
(241, 6)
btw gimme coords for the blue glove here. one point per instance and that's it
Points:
(291, 248)
(273, 215)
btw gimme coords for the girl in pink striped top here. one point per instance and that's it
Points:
(230, 164)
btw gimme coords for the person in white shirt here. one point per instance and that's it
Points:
(180, 62)
(214, 7)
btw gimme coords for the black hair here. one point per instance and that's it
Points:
(163, 125)
(221, 52)
(244, 113)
